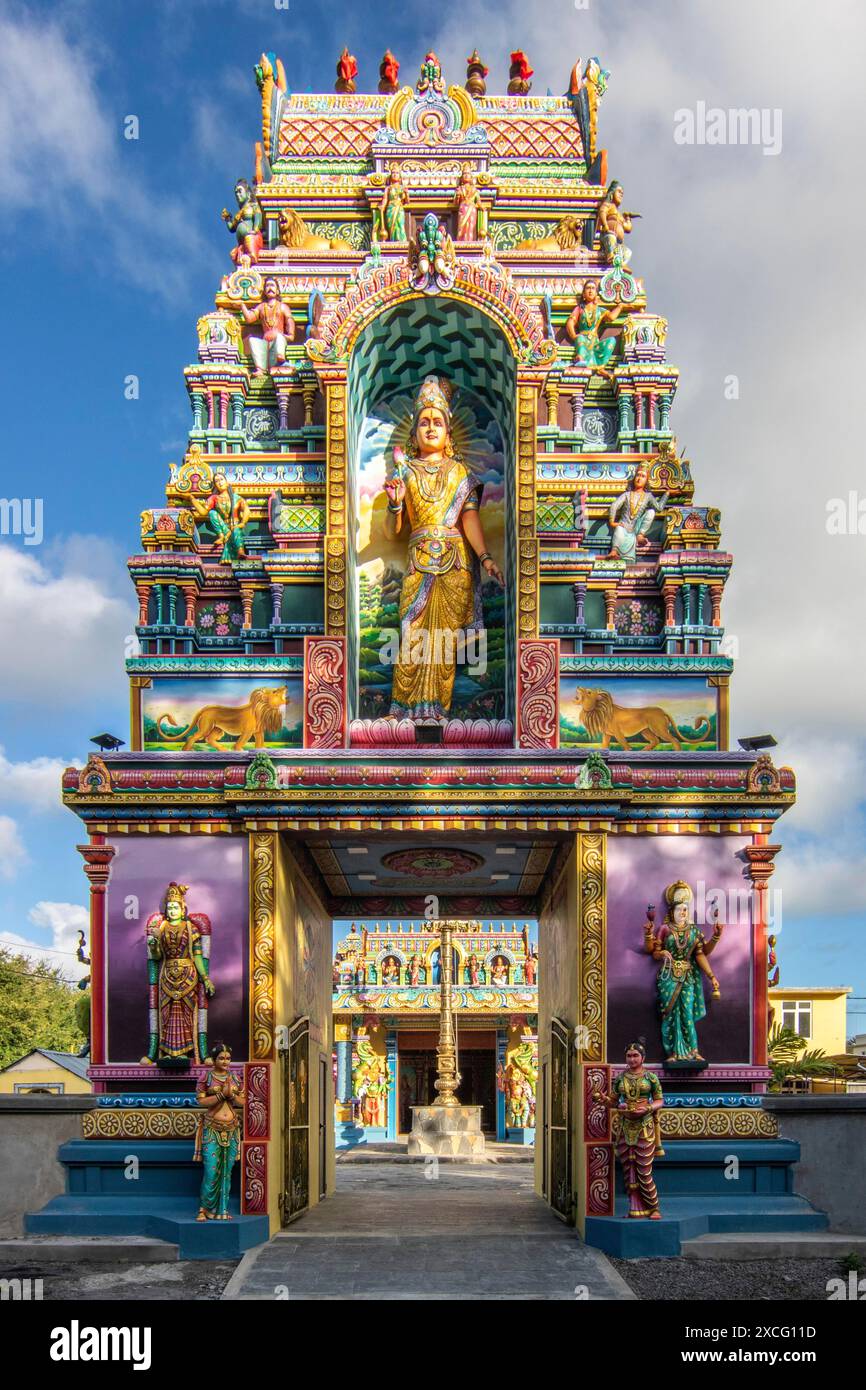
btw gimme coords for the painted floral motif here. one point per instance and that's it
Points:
(639, 618)
(219, 619)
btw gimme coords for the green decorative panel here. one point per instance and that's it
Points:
(303, 603)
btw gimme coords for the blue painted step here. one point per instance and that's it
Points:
(104, 1199)
(697, 1198)
(172, 1219)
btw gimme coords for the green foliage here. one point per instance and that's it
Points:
(853, 1261)
(783, 1047)
(37, 1009)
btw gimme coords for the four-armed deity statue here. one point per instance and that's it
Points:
(179, 984)
(681, 951)
(435, 497)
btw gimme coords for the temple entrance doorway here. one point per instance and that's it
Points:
(416, 1073)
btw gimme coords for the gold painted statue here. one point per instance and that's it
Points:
(435, 495)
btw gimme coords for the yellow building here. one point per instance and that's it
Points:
(40, 1071)
(818, 1015)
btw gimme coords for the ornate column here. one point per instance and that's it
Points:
(283, 398)
(309, 391)
(172, 605)
(610, 609)
(716, 601)
(97, 866)
(669, 594)
(701, 596)
(447, 1077)
(189, 594)
(759, 858)
(591, 936)
(579, 591)
(527, 540)
(651, 410)
(143, 592)
(224, 409)
(237, 410)
(576, 400)
(263, 855)
(199, 410)
(276, 604)
(638, 410)
(551, 396)
(247, 592)
(665, 401)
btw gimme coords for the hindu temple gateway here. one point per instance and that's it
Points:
(430, 631)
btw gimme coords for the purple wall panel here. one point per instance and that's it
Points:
(215, 870)
(639, 869)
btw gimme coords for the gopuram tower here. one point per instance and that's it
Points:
(430, 626)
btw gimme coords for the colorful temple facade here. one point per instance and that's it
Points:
(430, 626)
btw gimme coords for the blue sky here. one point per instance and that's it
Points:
(112, 249)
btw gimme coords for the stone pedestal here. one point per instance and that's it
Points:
(448, 1131)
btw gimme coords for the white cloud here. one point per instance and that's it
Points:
(63, 921)
(61, 631)
(12, 852)
(60, 148)
(34, 783)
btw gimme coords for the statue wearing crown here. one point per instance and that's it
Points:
(681, 951)
(178, 980)
(434, 496)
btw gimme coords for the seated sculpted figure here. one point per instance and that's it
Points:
(631, 515)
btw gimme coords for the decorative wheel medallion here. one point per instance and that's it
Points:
(421, 863)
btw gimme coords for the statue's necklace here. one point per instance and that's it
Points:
(438, 475)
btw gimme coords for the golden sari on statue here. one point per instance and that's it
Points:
(441, 594)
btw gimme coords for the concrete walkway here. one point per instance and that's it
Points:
(402, 1231)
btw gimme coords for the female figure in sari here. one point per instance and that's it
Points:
(437, 496)
(176, 969)
(467, 200)
(392, 213)
(228, 514)
(584, 327)
(637, 1099)
(218, 1139)
(681, 950)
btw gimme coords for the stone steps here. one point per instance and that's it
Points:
(58, 1249)
(773, 1245)
(171, 1219)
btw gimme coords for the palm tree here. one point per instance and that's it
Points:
(786, 1058)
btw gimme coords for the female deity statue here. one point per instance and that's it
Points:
(637, 1099)
(473, 968)
(470, 211)
(441, 594)
(584, 327)
(228, 513)
(631, 515)
(613, 225)
(499, 971)
(246, 223)
(218, 1138)
(392, 212)
(178, 980)
(681, 950)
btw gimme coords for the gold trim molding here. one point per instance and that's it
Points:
(263, 847)
(592, 933)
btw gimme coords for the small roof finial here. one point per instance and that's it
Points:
(347, 71)
(519, 73)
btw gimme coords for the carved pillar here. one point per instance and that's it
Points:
(237, 410)
(283, 398)
(263, 855)
(651, 410)
(199, 409)
(551, 396)
(687, 604)
(716, 601)
(309, 390)
(224, 409)
(610, 609)
(336, 578)
(247, 592)
(665, 412)
(669, 594)
(189, 594)
(143, 591)
(211, 409)
(276, 604)
(759, 859)
(527, 540)
(579, 591)
(97, 865)
(172, 605)
(638, 410)
(160, 603)
(577, 411)
(592, 932)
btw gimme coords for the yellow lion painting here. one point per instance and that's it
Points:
(604, 719)
(567, 235)
(296, 235)
(262, 714)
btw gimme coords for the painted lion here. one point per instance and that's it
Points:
(603, 718)
(263, 714)
(296, 235)
(567, 235)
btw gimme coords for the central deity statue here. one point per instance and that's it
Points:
(434, 491)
